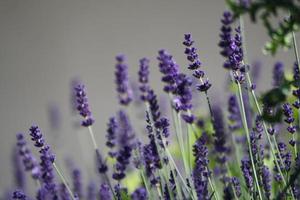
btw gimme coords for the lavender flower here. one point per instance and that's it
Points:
(225, 35)
(289, 119)
(92, 191)
(36, 136)
(183, 91)
(77, 183)
(144, 77)
(125, 144)
(83, 106)
(296, 92)
(169, 68)
(28, 159)
(286, 157)
(47, 159)
(19, 175)
(278, 74)
(54, 116)
(266, 180)
(122, 82)
(236, 185)
(200, 173)
(139, 194)
(111, 135)
(234, 114)
(255, 136)
(220, 134)
(105, 192)
(247, 172)
(195, 64)
(19, 195)
(47, 173)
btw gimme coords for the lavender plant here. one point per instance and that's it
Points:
(248, 151)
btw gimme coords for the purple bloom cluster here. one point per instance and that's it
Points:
(266, 180)
(234, 114)
(125, 144)
(201, 173)
(77, 183)
(111, 135)
(286, 157)
(28, 159)
(247, 172)
(122, 82)
(195, 64)
(47, 159)
(177, 83)
(170, 70)
(19, 195)
(144, 78)
(92, 191)
(225, 35)
(255, 136)
(296, 92)
(278, 74)
(105, 192)
(232, 48)
(36, 136)
(139, 194)
(83, 106)
(220, 133)
(289, 119)
(237, 186)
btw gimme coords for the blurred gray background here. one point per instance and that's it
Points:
(44, 44)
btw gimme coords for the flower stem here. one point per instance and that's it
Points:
(63, 180)
(98, 157)
(297, 60)
(248, 138)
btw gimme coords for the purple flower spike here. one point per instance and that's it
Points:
(143, 78)
(234, 114)
(126, 145)
(28, 159)
(19, 195)
(139, 194)
(278, 74)
(111, 135)
(169, 68)
(92, 191)
(237, 186)
(246, 169)
(36, 136)
(289, 119)
(195, 64)
(122, 82)
(105, 192)
(225, 35)
(47, 159)
(200, 172)
(83, 106)
(266, 180)
(77, 183)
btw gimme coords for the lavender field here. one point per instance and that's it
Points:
(205, 109)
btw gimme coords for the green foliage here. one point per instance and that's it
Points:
(265, 10)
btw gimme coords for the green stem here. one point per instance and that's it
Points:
(248, 139)
(63, 180)
(297, 60)
(92, 135)
(211, 184)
